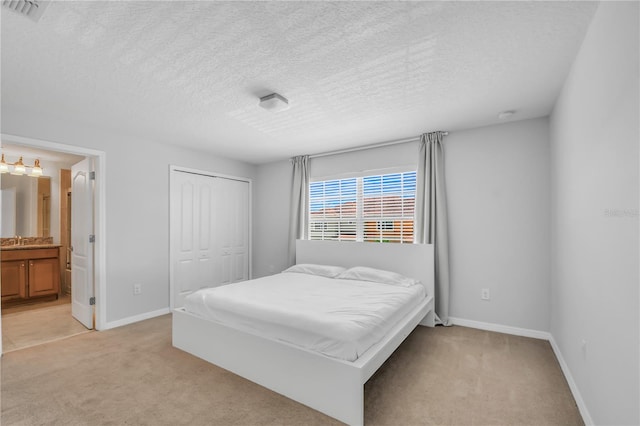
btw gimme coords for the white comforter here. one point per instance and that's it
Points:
(338, 318)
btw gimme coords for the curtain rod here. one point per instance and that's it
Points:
(377, 145)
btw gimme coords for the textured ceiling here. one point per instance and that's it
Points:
(355, 73)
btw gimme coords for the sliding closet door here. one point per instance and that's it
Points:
(209, 233)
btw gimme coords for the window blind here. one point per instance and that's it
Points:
(375, 208)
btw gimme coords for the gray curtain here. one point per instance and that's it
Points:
(298, 223)
(431, 216)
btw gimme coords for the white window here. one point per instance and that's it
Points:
(377, 208)
(386, 225)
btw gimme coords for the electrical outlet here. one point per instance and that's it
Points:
(137, 289)
(485, 295)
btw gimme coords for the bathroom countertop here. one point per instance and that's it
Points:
(29, 247)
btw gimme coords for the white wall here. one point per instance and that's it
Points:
(497, 183)
(272, 196)
(374, 160)
(594, 150)
(137, 199)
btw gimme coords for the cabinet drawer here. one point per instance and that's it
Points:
(29, 254)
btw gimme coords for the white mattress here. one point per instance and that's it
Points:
(338, 318)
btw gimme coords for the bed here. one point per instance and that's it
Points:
(329, 384)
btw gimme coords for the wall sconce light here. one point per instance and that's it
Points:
(19, 168)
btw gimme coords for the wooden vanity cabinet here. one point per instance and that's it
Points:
(30, 273)
(14, 279)
(44, 276)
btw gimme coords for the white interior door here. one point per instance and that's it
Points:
(209, 233)
(82, 256)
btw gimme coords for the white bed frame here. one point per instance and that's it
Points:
(332, 386)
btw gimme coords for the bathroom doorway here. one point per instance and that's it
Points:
(29, 322)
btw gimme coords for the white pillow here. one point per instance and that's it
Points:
(362, 273)
(328, 271)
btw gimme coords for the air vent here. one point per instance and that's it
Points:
(33, 9)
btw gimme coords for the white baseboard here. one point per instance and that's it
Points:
(498, 328)
(135, 318)
(536, 334)
(582, 407)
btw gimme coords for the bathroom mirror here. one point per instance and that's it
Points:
(26, 206)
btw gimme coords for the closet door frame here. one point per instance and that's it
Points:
(173, 169)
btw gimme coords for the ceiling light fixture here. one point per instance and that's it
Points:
(19, 168)
(274, 102)
(32, 9)
(506, 114)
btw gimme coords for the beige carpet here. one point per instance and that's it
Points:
(27, 328)
(133, 376)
